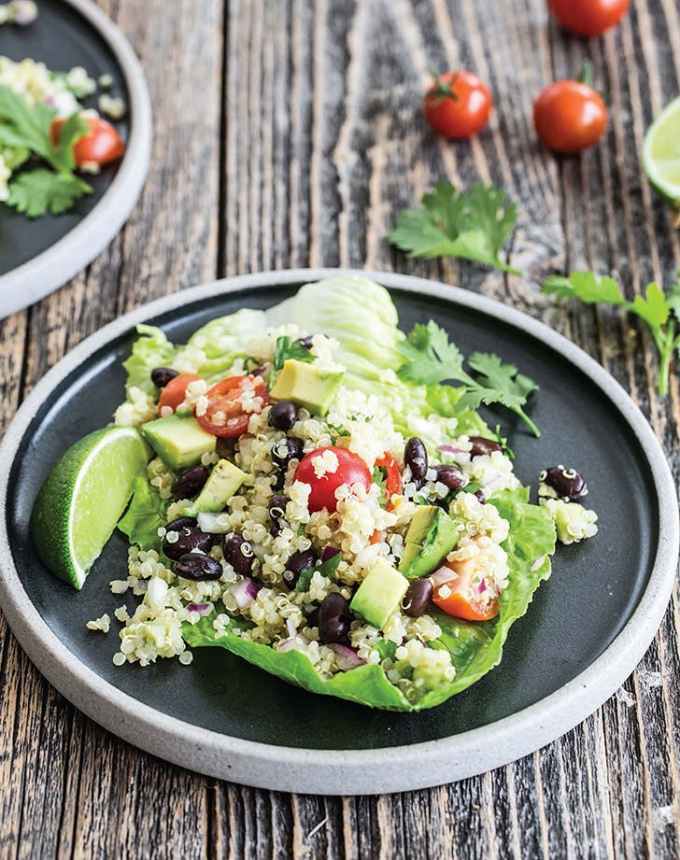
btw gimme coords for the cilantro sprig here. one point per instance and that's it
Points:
(659, 310)
(431, 358)
(28, 127)
(286, 348)
(474, 224)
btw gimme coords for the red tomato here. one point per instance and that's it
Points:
(393, 483)
(225, 416)
(569, 116)
(459, 599)
(351, 470)
(175, 391)
(458, 104)
(101, 145)
(588, 17)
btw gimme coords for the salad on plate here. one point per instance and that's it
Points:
(316, 492)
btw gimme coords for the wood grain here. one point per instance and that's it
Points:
(288, 133)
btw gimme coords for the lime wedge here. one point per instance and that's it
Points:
(661, 153)
(83, 498)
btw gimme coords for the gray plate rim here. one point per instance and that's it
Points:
(348, 772)
(53, 267)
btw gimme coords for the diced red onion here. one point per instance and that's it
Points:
(290, 627)
(444, 574)
(244, 592)
(347, 657)
(201, 608)
(291, 644)
(451, 449)
(481, 588)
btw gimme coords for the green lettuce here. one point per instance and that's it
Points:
(144, 516)
(151, 349)
(475, 648)
(223, 340)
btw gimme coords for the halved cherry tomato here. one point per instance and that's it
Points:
(351, 470)
(393, 482)
(569, 116)
(175, 391)
(588, 17)
(225, 416)
(458, 599)
(458, 104)
(101, 145)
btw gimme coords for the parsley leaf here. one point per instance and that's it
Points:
(658, 310)
(35, 192)
(473, 224)
(287, 348)
(431, 358)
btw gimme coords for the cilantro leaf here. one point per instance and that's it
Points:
(474, 225)
(26, 125)
(35, 192)
(586, 286)
(658, 310)
(327, 568)
(287, 348)
(62, 157)
(431, 358)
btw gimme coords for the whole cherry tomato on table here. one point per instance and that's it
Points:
(458, 104)
(569, 116)
(588, 17)
(226, 416)
(351, 470)
(101, 145)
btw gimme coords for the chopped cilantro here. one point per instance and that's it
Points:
(35, 192)
(327, 568)
(287, 348)
(474, 225)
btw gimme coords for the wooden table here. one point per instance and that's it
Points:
(289, 133)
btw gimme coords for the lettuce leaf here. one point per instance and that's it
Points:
(151, 349)
(144, 516)
(475, 648)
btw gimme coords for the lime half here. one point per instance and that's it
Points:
(661, 153)
(83, 498)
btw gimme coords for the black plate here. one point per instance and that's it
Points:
(574, 617)
(61, 38)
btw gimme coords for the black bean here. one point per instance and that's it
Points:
(238, 553)
(200, 568)
(190, 482)
(189, 539)
(567, 483)
(481, 496)
(313, 617)
(417, 598)
(277, 513)
(181, 523)
(329, 552)
(296, 563)
(451, 477)
(305, 342)
(283, 415)
(285, 450)
(415, 457)
(334, 619)
(225, 447)
(481, 445)
(160, 376)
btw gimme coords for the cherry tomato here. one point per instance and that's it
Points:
(351, 470)
(225, 415)
(101, 145)
(458, 598)
(393, 483)
(588, 17)
(175, 391)
(569, 116)
(376, 537)
(458, 104)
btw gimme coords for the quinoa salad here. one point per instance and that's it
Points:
(322, 498)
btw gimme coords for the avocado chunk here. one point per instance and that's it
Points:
(179, 441)
(380, 594)
(307, 385)
(224, 481)
(430, 538)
